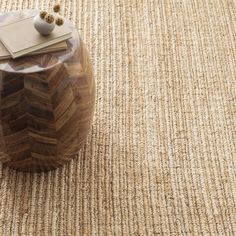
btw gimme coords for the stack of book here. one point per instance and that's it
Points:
(21, 38)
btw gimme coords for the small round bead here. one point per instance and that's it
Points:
(59, 21)
(49, 18)
(42, 14)
(56, 8)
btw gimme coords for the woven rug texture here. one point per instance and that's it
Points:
(161, 155)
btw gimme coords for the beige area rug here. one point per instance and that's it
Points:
(161, 156)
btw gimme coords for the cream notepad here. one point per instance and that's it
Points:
(21, 37)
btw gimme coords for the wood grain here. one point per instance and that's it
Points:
(46, 116)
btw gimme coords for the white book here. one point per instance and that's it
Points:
(21, 37)
(5, 54)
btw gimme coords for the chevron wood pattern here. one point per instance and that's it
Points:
(46, 116)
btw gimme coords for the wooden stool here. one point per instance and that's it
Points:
(46, 105)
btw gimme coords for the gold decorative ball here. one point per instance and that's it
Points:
(49, 18)
(59, 21)
(56, 7)
(42, 14)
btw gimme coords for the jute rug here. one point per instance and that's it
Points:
(161, 156)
